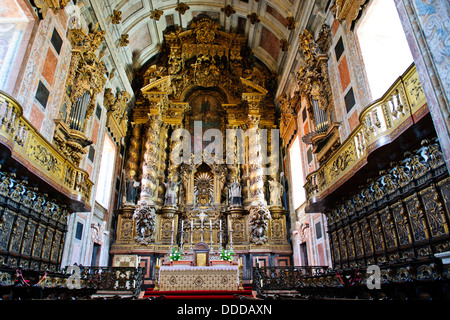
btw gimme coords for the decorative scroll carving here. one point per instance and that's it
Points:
(182, 7)
(314, 85)
(55, 5)
(84, 81)
(347, 10)
(145, 217)
(259, 221)
(117, 112)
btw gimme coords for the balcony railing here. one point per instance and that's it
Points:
(115, 279)
(284, 278)
(32, 150)
(380, 123)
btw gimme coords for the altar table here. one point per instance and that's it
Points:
(182, 277)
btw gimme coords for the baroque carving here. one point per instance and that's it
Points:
(347, 10)
(84, 81)
(258, 219)
(314, 85)
(145, 217)
(55, 5)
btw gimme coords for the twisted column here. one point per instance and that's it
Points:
(162, 163)
(256, 173)
(150, 160)
(132, 164)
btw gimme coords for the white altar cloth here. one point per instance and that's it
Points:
(182, 277)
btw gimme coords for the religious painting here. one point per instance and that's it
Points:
(205, 108)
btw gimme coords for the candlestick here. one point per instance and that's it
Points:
(192, 232)
(201, 228)
(220, 234)
(182, 235)
(231, 236)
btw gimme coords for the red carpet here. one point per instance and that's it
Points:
(197, 294)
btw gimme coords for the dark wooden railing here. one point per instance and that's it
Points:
(76, 283)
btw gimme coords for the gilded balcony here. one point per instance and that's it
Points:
(26, 151)
(381, 123)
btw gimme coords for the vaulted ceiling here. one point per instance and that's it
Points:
(272, 27)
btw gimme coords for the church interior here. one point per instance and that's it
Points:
(239, 149)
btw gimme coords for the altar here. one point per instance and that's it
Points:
(184, 277)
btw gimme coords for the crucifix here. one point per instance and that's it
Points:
(202, 216)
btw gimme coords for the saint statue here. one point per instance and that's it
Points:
(171, 194)
(276, 191)
(235, 193)
(132, 187)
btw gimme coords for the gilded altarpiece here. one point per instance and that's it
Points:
(206, 87)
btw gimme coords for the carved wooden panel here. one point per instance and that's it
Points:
(38, 241)
(28, 237)
(239, 230)
(6, 224)
(387, 222)
(444, 188)
(434, 211)
(367, 238)
(350, 243)
(401, 223)
(16, 236)
(343, 244)
(377, 234)
(358, 240)
(48, 239)
(335, 246)
(416, 217)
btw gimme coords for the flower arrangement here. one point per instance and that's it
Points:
(175, 255)
(227, 255)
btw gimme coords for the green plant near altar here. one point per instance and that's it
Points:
(175, 255)
(227, 255)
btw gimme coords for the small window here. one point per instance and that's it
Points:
(309, 155)
(296, 169)
(339, 49)
(318, 230)
(91, 154)
(42, 94)
(79, 231)
(349, 100)
(105, 181)
(56, 41)
(98, 112)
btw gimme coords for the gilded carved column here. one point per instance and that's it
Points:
(255, 168)
(151, 160)
(132, 164)
(162, 163)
